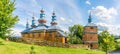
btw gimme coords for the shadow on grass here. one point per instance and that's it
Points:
(1, 43)
(90, 53)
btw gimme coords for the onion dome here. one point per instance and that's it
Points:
(27, 24)
(42, 11)
(42, 21)
(41, 26)
(90, 21)
(42, 17)
(27, 28)
(33, 22)
(54, 22)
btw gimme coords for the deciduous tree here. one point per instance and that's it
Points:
(7, 19)
(106, 41)
(75, 34)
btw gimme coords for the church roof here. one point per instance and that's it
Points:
(90, 24)
(54, 27)
(57, 28)
(39, 28)
(26, 30)
(62, 33)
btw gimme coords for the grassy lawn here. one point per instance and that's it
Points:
(19, 48)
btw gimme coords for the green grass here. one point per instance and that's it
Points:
(8, 47)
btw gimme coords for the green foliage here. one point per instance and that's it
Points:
(106, 41)
(118, 44)
(75, 35)
(76, 30)
(75, 40)
(7, 20)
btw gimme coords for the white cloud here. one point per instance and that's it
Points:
(104, 14)
(63, 19)
(113, 29)
(102, 26)
(88, 2)
(17, 31)
(106, 17)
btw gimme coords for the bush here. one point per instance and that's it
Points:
(32, 50)
(117, 45)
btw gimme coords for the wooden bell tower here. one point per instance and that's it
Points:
(90, 36)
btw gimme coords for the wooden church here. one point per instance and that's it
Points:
(53, 33)
(90, 34)
(42, 32)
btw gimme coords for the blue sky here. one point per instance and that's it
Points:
(105, 13)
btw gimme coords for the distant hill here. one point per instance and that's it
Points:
(8, 47)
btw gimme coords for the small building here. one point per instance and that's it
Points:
(90, 34)
(42, 32)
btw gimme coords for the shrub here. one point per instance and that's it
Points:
(117, 45)
(32, 50)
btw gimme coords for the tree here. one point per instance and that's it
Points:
(75, 34)
(7, 19)
(106, 41)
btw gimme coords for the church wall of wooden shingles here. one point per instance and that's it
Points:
(44, 36)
